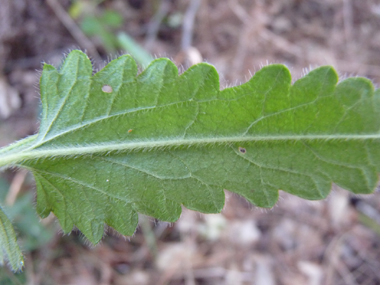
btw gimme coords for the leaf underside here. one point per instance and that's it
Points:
(115, 143)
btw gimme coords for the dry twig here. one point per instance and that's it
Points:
(74, 30)
(15, 187)
(154, 24)
(188, 24)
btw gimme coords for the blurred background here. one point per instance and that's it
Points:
(336, 241)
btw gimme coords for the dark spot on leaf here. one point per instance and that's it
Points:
(107, 89)
(242, 149)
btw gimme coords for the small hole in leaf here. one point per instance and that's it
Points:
(242, 150)
(107, 89)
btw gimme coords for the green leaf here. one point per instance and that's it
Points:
(31, 233)
(113, 144)
(112, 18)
(91, 25)
(9, 249)
(141, 55)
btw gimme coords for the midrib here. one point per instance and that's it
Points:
(71, 150)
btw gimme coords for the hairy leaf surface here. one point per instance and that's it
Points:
(9, 250)
(115, 143)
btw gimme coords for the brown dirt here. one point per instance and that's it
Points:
(296, 242)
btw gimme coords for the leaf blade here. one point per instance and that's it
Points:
(9, 249)
(156, 141)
